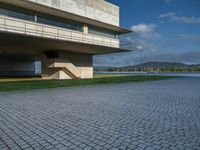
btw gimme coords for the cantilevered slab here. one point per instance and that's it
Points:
(18, 43)
(63, 14)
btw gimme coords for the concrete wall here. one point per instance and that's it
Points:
(83, 63)
(95, 9)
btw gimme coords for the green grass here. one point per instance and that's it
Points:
(45, 84)
(110, 75)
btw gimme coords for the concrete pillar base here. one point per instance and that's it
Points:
(66, 65)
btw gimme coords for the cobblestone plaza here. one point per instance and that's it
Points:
(153, 115)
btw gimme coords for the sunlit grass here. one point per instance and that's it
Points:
(110, 75)
(36, 83)
(19, 79)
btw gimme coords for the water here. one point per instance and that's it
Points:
(181, 74)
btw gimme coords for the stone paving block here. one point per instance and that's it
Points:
(154, 115)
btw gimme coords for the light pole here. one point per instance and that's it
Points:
(140, 48)
(141, 60)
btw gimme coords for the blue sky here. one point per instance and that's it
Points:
(165, 30)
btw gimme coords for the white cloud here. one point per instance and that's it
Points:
(169, 14)
(187, 20)
(188, 37)
(191, 57)
(145, 30)
(181, 19)
(153, 50)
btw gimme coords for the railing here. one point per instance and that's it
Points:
(8, 24)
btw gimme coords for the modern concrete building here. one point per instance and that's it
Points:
(62, 34)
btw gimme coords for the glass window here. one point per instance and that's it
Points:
(4, 10)
(16, 14)
(58, 23)
(102, 32)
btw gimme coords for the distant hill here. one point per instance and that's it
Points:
(158, 65)
(155, 66)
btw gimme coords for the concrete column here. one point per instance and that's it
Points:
(85, 29)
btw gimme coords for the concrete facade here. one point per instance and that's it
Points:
(95, 9)
(59, 33)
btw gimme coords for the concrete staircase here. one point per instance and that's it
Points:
(66, 66)
(61, 64)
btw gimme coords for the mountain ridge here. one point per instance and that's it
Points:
(154, 66)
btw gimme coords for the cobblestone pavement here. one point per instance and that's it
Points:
(126, 116)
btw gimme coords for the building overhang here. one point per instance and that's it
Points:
(63, 14)
(23, 44)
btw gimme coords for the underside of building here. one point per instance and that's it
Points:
(61, 34)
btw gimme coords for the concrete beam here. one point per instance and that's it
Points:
(17, 43)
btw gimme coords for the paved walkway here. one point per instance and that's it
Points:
(149, 115)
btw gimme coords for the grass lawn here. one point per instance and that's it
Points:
(110, 75)
(45, 84)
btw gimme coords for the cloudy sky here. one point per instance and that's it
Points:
(164, 30)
